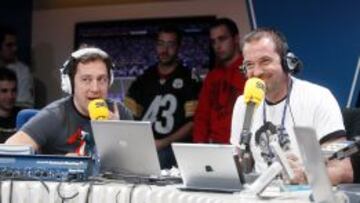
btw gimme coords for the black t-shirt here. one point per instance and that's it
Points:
(8, 125)
(167, 101)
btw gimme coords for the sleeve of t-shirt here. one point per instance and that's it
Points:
(133, 98)
(25, 87)
(42, 127)
(328, 120)
(191, 100)
(125, 113)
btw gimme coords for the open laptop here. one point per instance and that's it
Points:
(208, 167)
(314, 163)
(126, 148)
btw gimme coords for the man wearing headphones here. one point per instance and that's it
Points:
(63, 126)
(288, 102)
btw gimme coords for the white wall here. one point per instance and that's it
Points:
(53, 30)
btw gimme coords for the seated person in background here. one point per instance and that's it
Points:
(166, 94)
(9, 59)
(352, 125)
(63, 126)
(8, 110)
(288, 102)
(221, 87)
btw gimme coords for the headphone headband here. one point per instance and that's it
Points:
(88, 51)
(66, 83)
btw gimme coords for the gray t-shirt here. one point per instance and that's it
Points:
(59, 128)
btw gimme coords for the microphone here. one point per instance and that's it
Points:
(98, 110)
(254, 93)
(347, 151)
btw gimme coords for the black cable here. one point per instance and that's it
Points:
(292, 115)
(88, 192)
(1, 184)
(63, 198)
(11, 191)
(117, 196)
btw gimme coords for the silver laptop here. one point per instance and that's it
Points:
(208, 167)
(314, 164)
(126, 147)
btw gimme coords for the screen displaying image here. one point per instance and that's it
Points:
(131, 44)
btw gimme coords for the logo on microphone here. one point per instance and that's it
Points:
(209, 168)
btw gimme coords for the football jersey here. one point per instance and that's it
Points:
(168, 102)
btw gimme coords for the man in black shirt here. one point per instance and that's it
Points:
(166, 94)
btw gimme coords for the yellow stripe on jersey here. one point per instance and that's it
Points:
(134, 107)
(190, 108)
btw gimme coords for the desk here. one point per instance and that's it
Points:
(35, 191)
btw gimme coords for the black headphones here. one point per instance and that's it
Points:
(291, 63)
(66, 83)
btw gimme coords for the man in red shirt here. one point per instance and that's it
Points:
(221, 87)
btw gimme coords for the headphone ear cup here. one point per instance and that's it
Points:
(111, 76)
(65, 82)
(291, 63)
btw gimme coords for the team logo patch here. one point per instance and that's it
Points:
(178, 83)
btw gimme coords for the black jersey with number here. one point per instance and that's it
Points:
(168, 102)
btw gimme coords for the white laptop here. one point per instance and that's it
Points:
(208, 167)
(126, 148)
(314, 163)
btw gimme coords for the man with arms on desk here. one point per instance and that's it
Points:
(63, 126)
(288, 102)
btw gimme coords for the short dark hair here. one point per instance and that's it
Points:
(6, 30)
(170, 29)
(7, 74)
(228, 23)
(281, 45)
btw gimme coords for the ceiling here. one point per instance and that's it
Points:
(56, 4)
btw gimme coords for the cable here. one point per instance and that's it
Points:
(63, 198)
(88, 192)
(11, 191)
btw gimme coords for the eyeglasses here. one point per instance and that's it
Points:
(262, 62)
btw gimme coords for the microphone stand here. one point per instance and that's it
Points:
(279, 165)
(246, 160)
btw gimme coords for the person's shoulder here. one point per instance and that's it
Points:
(148, 74)
(308, 86)
(18, 65)
(59, 104)
(214, 75)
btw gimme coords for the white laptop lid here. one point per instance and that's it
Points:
(126, 147)
(207, 166)
(314, 163)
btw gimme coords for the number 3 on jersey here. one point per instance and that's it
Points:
(165, 106)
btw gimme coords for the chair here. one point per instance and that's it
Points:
(352, 126)
(351, 121)
(23, 116)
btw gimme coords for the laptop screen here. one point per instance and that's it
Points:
(126, 147)
(208, 166)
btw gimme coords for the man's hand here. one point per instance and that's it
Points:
(298, 169)
(115, 114)
(161, 143)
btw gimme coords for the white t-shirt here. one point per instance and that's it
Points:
(310, 105)
(25, 83)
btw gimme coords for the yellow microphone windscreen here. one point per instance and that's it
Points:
(98, 110)
(254, 91)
